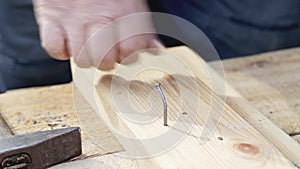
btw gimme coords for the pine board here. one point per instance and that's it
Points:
(271, 83)
(241, 146)
(243, 68)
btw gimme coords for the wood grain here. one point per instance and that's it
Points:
(45, 108)
(271, 83)
(244, 68)
(234, 144)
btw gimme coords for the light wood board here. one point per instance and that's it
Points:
(236, 143)
(271, 83)
(287, 60)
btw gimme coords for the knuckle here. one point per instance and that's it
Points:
(103, 66)
(130, 48)
(106, 63)
(55, 50)
(82, 62)
(127, 50)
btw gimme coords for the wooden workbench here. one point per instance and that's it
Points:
(269, 81)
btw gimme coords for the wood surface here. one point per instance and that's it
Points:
(4, 128)
(288, 61)
(271, 83)
(46, 108)
(235, 143)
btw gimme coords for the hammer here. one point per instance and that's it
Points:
(38, 150)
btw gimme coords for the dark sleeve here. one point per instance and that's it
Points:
(23, 62)
(239, 27)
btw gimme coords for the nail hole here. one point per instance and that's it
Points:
(185, 113)
(220, 138)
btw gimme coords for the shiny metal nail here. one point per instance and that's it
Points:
(158, 87)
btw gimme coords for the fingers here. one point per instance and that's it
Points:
(52, 40)
(93, 45)
(136, 34)
(76, 41)
(66, 27)
(52, 34)
(131, 45)
(109, 60)
(154, 46)
(102, 46)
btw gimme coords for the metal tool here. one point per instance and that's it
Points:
(158, 87)
(4, 129)
(40, 149)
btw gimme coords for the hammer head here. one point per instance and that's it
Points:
(40, 149)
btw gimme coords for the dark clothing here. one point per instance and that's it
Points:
(239, 27)
(235, 27)
(23, 63)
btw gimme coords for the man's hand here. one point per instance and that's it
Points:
(66, 26)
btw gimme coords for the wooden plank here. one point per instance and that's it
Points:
(234, 144)
(297, 138)
(283, 57)
(270, 82)
(4, 129)
(45, 108)
(110, 161)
